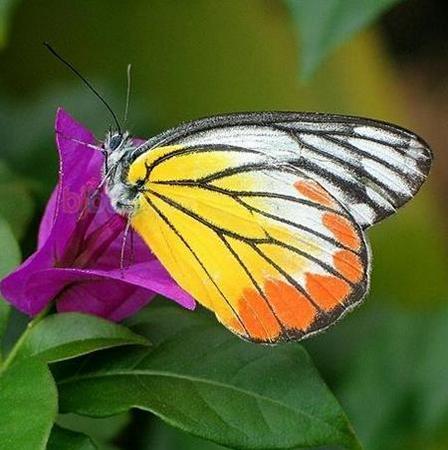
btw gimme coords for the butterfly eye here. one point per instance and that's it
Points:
(115, 141)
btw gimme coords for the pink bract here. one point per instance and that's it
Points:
(77, 262)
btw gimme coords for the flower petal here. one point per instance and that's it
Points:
(13, 286)
(98, 285)
(62, 283)
(79, 164)
(47, 222)
(111, 299)
(79, 173)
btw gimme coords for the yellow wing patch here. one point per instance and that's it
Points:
(268, 250)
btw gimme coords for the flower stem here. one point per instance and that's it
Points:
(12, 354)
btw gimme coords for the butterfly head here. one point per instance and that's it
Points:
(115, 142)
(116, 146)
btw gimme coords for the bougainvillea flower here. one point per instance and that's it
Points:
(78, 260)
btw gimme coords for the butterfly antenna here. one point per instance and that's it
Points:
(128, 93)
(86, 82)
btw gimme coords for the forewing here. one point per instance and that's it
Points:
(270, 251)
(371, 167)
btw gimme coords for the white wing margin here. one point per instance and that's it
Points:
(371, 167)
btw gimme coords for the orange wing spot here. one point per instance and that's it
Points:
(235, 326)
(314, 192)
(257, 317)
(326, 290)
(291, 307)
(342, 230)
(348, 264)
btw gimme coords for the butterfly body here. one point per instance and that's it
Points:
(117, 149)
(260, 216)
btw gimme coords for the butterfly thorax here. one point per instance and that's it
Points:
(118, 150)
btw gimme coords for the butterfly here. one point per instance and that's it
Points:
(261, 217)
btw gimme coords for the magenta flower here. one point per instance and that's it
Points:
(77, 262)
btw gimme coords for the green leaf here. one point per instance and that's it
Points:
(323, 25)
(6, 9)
(28, 400)
(9, 247)
(5, 311)
(9, 259)
(163, 437)
(102, 431)
(402, 378)
(16, 204)
(62, 439)
(432, 375)
(67, 335)
(202, 379)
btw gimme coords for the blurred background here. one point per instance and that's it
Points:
(387, 363)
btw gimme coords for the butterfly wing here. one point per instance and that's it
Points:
(268, 249)
(370, 167)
